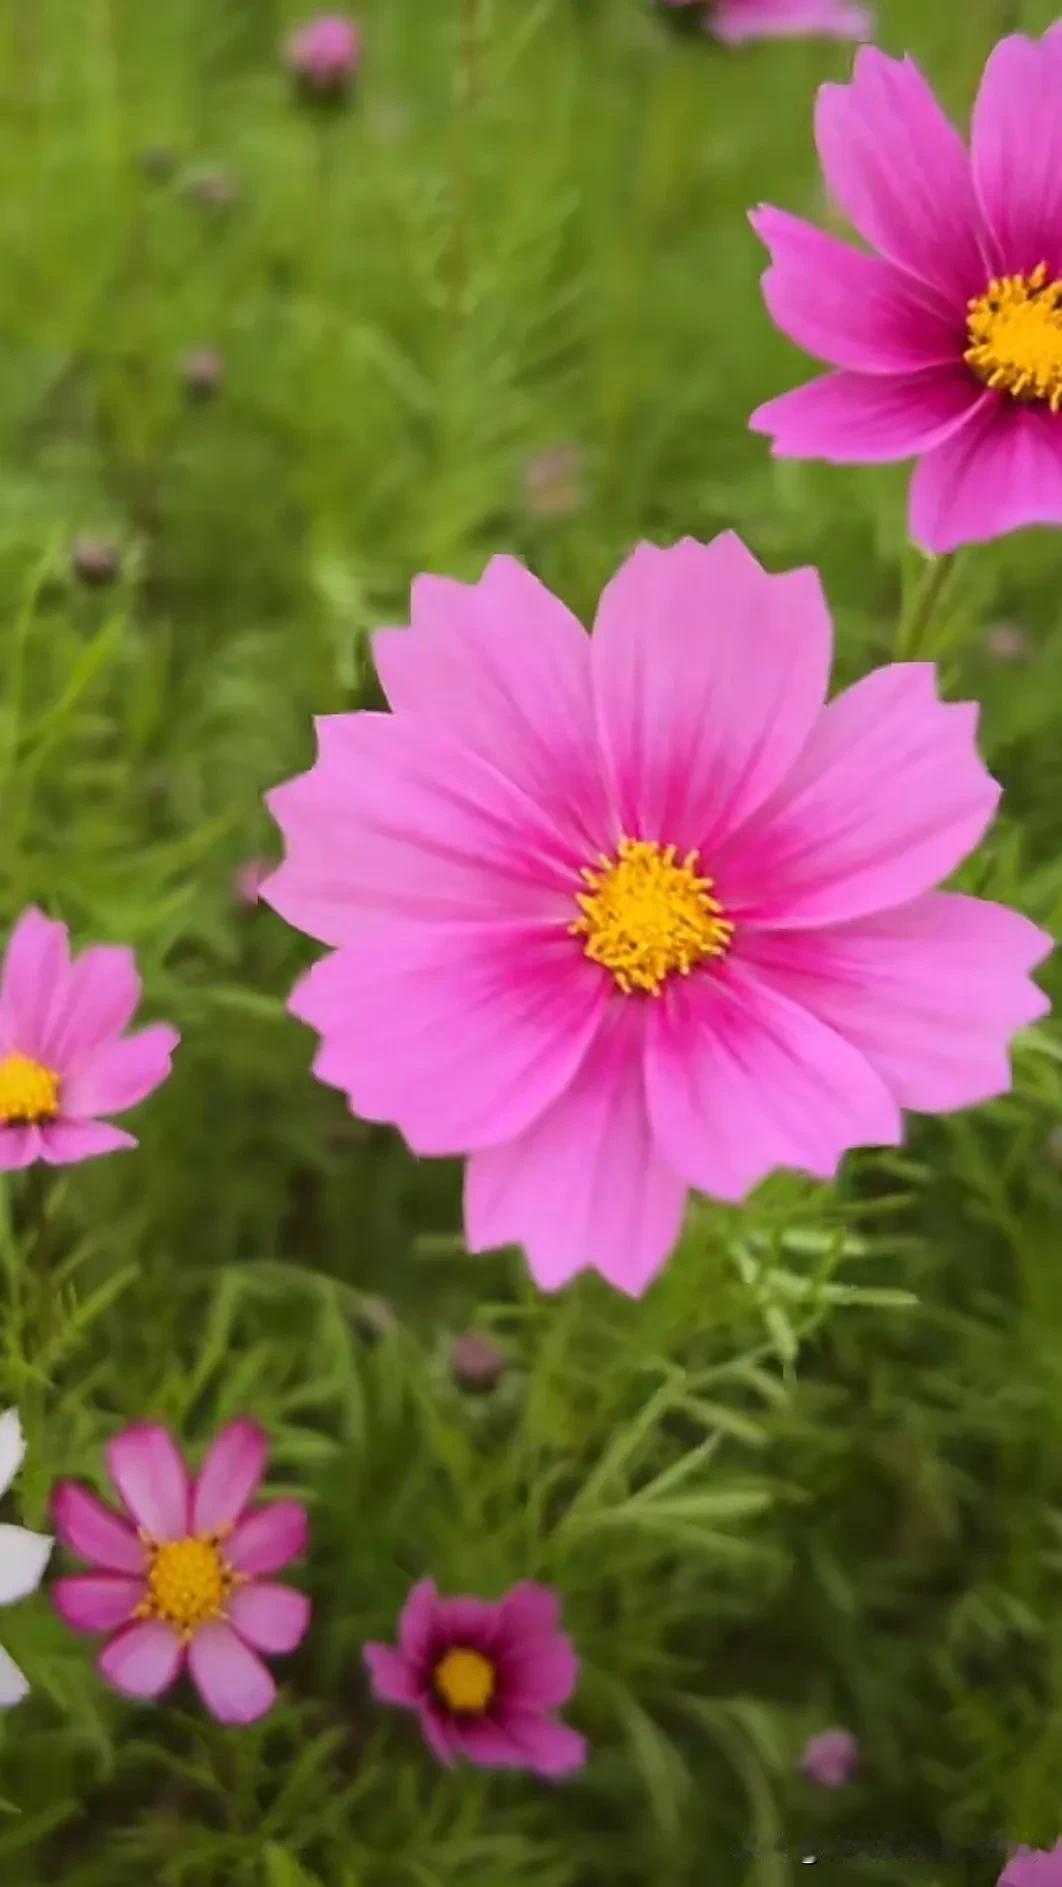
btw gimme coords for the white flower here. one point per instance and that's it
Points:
(23, 1555)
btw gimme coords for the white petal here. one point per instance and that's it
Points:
(13, 1686)
(23, 1557)
(12, 1448)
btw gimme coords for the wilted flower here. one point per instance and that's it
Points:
(830, 1759)
(738, 20)
(1033, 1867)
(203, 373)
(180, 1573)
(23, 1555)
(625, 915)
(324, 55)
(484, 1678)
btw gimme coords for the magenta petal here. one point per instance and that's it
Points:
(460, 1035)
(487, 1744)
(529, 1610)
(417, 1625)
(119, 1074)
(869, 419)
(708, 676)
(36, 965)
(91, 1004)
(736, 21)
(441, 1732)
(229, 1476)
(392, 1680)
(1016, 145)
(268, 1538)
(467, 1621)
(852, 309)
(931, 993)
(547, 1747)
(68, 1142)
(540, 1675)
(144, 1660)
(230, 1678)
(271, 1618)
(997, 475)
(19, 1147)
(94, 1532)
(900, 171)
(585, 1185)
(91, 1603)
(887, 798)
(146, 1467)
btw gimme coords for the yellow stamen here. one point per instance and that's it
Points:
(188, 1583)
(645, 916)
(28, 1091)
(465, 1680)
(1015, 334)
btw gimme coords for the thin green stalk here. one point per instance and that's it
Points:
(917, 621)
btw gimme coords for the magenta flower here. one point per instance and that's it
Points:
(621, 916)
(1030, 1867)
(324, 54)
(739, 20)
(484, 1678)
(830, 1759)
(64, 1059)
(183, 1577)
(948, 341)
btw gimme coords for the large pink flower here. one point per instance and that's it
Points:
(626, 915)
(948, 341)
(64, 1059)
(485, 1678)
(184, 1577)
(738, 20)
(1033, 1867)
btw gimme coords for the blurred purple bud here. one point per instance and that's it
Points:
(94, 560)
(323, 55)
(1007, 643)
(476, 1362)
(831, 1759)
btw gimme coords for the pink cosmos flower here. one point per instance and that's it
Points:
(484, 1678)
(1029, 1867)
(736, 21)
(948, 340)
(830, 1759)
(183, 1576)
(621, 916)
(324, 54)
(64, 1059)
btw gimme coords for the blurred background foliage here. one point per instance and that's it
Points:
(270, 363)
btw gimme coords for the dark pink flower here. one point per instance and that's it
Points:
(739, 20)
(324, 54)
(948, 340)
(248, 880)
(64, 1057)
(1032, 1867)
(180, 1574)
(830, 1759)
(485, 1678)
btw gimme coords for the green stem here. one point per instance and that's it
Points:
(917, 621)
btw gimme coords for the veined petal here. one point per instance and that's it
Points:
(118, 1074)
(94, 1532)
(1016, 147)
(97, 1602)
(230, 1678)
(266, 1539)
(23, 1557)
(999, 474)
(36, 963)
(271, 1618)
(12, 1448)
(145, 1465)
(736, 21)
(91, 1004)
(870, 419)
(144, 1659)
(229, 1476)
(13, 1685)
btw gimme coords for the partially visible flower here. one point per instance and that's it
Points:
(830, 1759)
(553, 481)
(1007, 643)
(248, 881)
(179, 1573)
(203, 373)
(324, 54)
(23, 1555)
(64, 1057)
(215, 190)
(484, 1678)
(476, 1361)
(739, 20)
(1033, 1867)
(94, 560)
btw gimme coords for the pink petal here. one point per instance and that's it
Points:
(547, 1747)
(852, 309)
(1017, 152)
(487, 1745)
(268, 1538)
(887, 798)
(144, 1660)
(467, 1621)
(94, 1531)
(19, 1147)
(505, 667)
(742, 1081)
(230, 1678)
(271, 1618)
(931, 993)
(900, 171)
(93, 1603)
(529, 1610)
(539, 1675)
(998, 475)
(119, 1074)
(397, 817)
(736, 21)
(146, 1467)
(869, 419)
(68, 1142)
(229, 1476)
(441, 1732)
(392, 1680)
(91, 1004)
(708, 675)
(418, 1623)
(459, 1034)
(36, 965)
(584, 1186)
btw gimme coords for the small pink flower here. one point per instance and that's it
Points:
(484, 1678)
(183, 1576)
(830, 1759)
(64, 1060)
(624, 915)
(736, 21)
(324, 54)
(947, 340)
(248, 881)
(1033, 1867)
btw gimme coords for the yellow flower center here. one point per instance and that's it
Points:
(465, 1680)
(1015, 334)
(28, 1091)
(646, 915)
(188, 1583)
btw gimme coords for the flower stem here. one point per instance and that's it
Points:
(917, 621)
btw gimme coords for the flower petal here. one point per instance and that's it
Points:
(529, 1610)
(486, 1744)
(12, 1447)
(736, 21)
(467, 1621)
(229, 1476)
(93, 1531)
(36, 963)
(869, 419)
(230, 1678)
(997, 475)
(23, 1557)
(119, 1074)
(392, 1680)
(19, 1147)
(270, 1617)
(94, 1602)
(852, 309)
(708, 675)
(584, 1186)
(145, 1465)
(548, 1747)
(900, 171)
(931, 993)
(441, 1733)
(13, 1685)
(539, 1675)
(1016, 149)
(461, 1035)
(143, 1660)
(267, 1539)
(92, 1004)
(68, 1142)
(417, 1627)
(889, 795)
